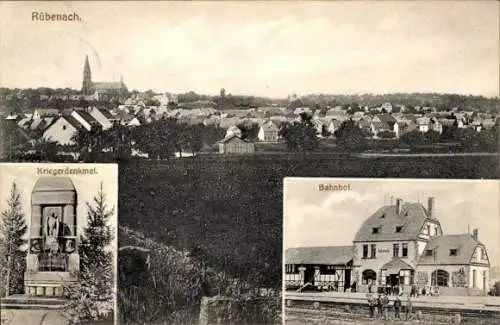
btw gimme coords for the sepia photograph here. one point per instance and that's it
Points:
(207, 105)
(58, 243)
(391, 251)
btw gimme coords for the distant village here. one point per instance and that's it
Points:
(64, 116)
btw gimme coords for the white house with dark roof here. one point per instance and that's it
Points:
(268, 132)
(102, 116)
(400, 246)
(62, 130)
(85, 119)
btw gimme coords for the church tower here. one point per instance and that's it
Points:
(87, 78)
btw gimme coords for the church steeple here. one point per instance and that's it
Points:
(87, 78)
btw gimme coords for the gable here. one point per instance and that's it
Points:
(451, 250)
(410, 218)
(59, 127)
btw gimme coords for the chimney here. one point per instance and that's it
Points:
(474, 234)
(399, 203)
(430, 207)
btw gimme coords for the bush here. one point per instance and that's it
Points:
(495, 289)
(386, 135)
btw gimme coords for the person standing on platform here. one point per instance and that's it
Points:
(397, 308)
(379, 306)
(371, 304)
(385, 306)
(408, 308)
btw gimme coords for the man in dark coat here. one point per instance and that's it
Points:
(379, 305)
(385, 305)
(397, 307)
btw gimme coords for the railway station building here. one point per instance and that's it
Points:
(401, 246)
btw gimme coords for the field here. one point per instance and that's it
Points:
(228, 210)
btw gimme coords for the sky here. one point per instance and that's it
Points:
(87, 186)
(270, 49)
(320, 218)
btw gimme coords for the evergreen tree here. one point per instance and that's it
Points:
(92, 298)
(13, 228)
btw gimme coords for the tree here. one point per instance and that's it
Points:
(12, 255)
(349, 135)
(386, 135)
(249, 130)
(495, 289)
(89, 143)
(47, 149)
(300, 135)
(93, 297)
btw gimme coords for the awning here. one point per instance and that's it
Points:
(395, 265)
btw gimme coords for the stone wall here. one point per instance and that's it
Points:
(220, 310)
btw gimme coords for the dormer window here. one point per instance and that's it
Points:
(382, 216)
(375, 230)
(428, 252)
(399, 228)
(453, 252)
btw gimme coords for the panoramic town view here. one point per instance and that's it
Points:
(207, 106)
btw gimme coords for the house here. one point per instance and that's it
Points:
(228, 122)
(233, 131)
(235, 145)
(378, 127)
(365, 125)
(423, 124)
(339, 115)
(85, 119)
(436, 126)
(63, 129)
(268, 132)
(457, 262)
(389, 242)
(387, 107)
(136, 121)
(333, 126)
(400, 245)
(317, 123)
(324, 267)
(103, 117)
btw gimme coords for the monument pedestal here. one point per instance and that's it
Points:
(47, 284)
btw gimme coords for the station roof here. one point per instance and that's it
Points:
(329, 255)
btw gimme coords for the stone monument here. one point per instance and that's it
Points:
(52, 257)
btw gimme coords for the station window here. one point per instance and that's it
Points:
(453, 252)
(405, 250)
(395, 250)
(374, 251)
(365, 251)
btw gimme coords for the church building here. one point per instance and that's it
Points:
(102, 91)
